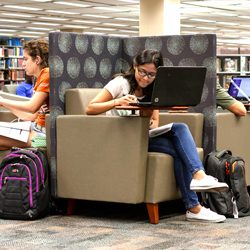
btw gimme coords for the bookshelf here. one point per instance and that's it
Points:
(231, 65)
(11, 59)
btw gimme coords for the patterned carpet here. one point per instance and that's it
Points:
(109, 226)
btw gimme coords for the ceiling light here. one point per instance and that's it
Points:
(129, 1)
(46, 24)
(10, 26)
(63, 12)
(207, 28)
(129, 31)
(38, 28)
(6, 34)
(73, 4)
(245, 17)
(32, 32)
(93, 33)
(13, 21)
(76, 26)
(15, 14)
(202, 20)
(107, 8)
(7, 30)
(21, 7)
(228, 23)
(29, 36)
(41, 0)
(84, 21)
(127, 19)
(224, 14)
(115, 24)
(96, 16)
(53, 18)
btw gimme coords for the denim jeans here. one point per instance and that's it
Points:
(180, 145)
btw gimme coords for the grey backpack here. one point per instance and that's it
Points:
(235, 202)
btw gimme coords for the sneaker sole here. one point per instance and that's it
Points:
(209, 189)
(206, 221)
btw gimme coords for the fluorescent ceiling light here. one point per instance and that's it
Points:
(30, 36)
(33, 32)
(63, 12)
(119, 35)
(129, 1)
(127, 19)
(245, 17)
(38, 28)
(73, 4)
(13, 21)
(7, 30)
(21, 7)
(228, 23)
(76, 26)
(41, 0)
(46, 24)
(6, 34)
(115, 24)
(202, 20)
(97, 16)
(107, 8)
(15, 14)
(84, 21)
(53, 18)
(207, 28)
(10, 26)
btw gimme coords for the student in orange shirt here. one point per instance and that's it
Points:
(35, 55)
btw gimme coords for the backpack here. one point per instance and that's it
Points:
(24, 185)
(235, 202)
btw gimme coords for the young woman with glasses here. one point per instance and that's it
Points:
(136, 83)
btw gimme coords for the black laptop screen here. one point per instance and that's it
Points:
(240, 87)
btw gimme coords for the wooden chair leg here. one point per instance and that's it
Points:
(71, 205)
(153, 213)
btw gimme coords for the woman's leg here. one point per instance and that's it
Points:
(164, 144)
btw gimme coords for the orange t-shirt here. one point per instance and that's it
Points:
(42, 85)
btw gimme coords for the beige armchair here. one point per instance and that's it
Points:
(106, 158)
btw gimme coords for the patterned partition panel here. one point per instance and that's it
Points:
(89, 61)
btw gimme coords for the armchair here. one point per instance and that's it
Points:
(106, 158)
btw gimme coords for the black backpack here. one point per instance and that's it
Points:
(235, 202)
(24, 185)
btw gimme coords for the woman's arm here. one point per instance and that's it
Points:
(154, 121)
(25, 110)
(104, 101)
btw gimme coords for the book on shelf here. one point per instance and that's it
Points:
(230, 64)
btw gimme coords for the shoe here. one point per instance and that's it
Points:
(208, 184)
(205, 215)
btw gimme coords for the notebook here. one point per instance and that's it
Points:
(239, 88)
(176, 86)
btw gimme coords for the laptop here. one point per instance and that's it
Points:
(176, 86)
(239, 88)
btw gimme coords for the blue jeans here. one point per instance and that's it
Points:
(180, 145)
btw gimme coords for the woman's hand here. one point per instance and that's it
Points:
(125, 100)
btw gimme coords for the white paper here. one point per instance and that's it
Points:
(16, 130)
(160, 130)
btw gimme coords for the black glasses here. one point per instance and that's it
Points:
(143, 73)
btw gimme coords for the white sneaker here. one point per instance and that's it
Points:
(208, 184)
(205, 215)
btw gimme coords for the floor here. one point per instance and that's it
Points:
(98, 225)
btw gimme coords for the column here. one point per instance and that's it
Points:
(159, 17)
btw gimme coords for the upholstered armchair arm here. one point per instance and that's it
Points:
(193, 120)
(102, 158)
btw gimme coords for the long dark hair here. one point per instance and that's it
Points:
(146, 56)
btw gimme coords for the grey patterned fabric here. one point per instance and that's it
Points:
(89, 61)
